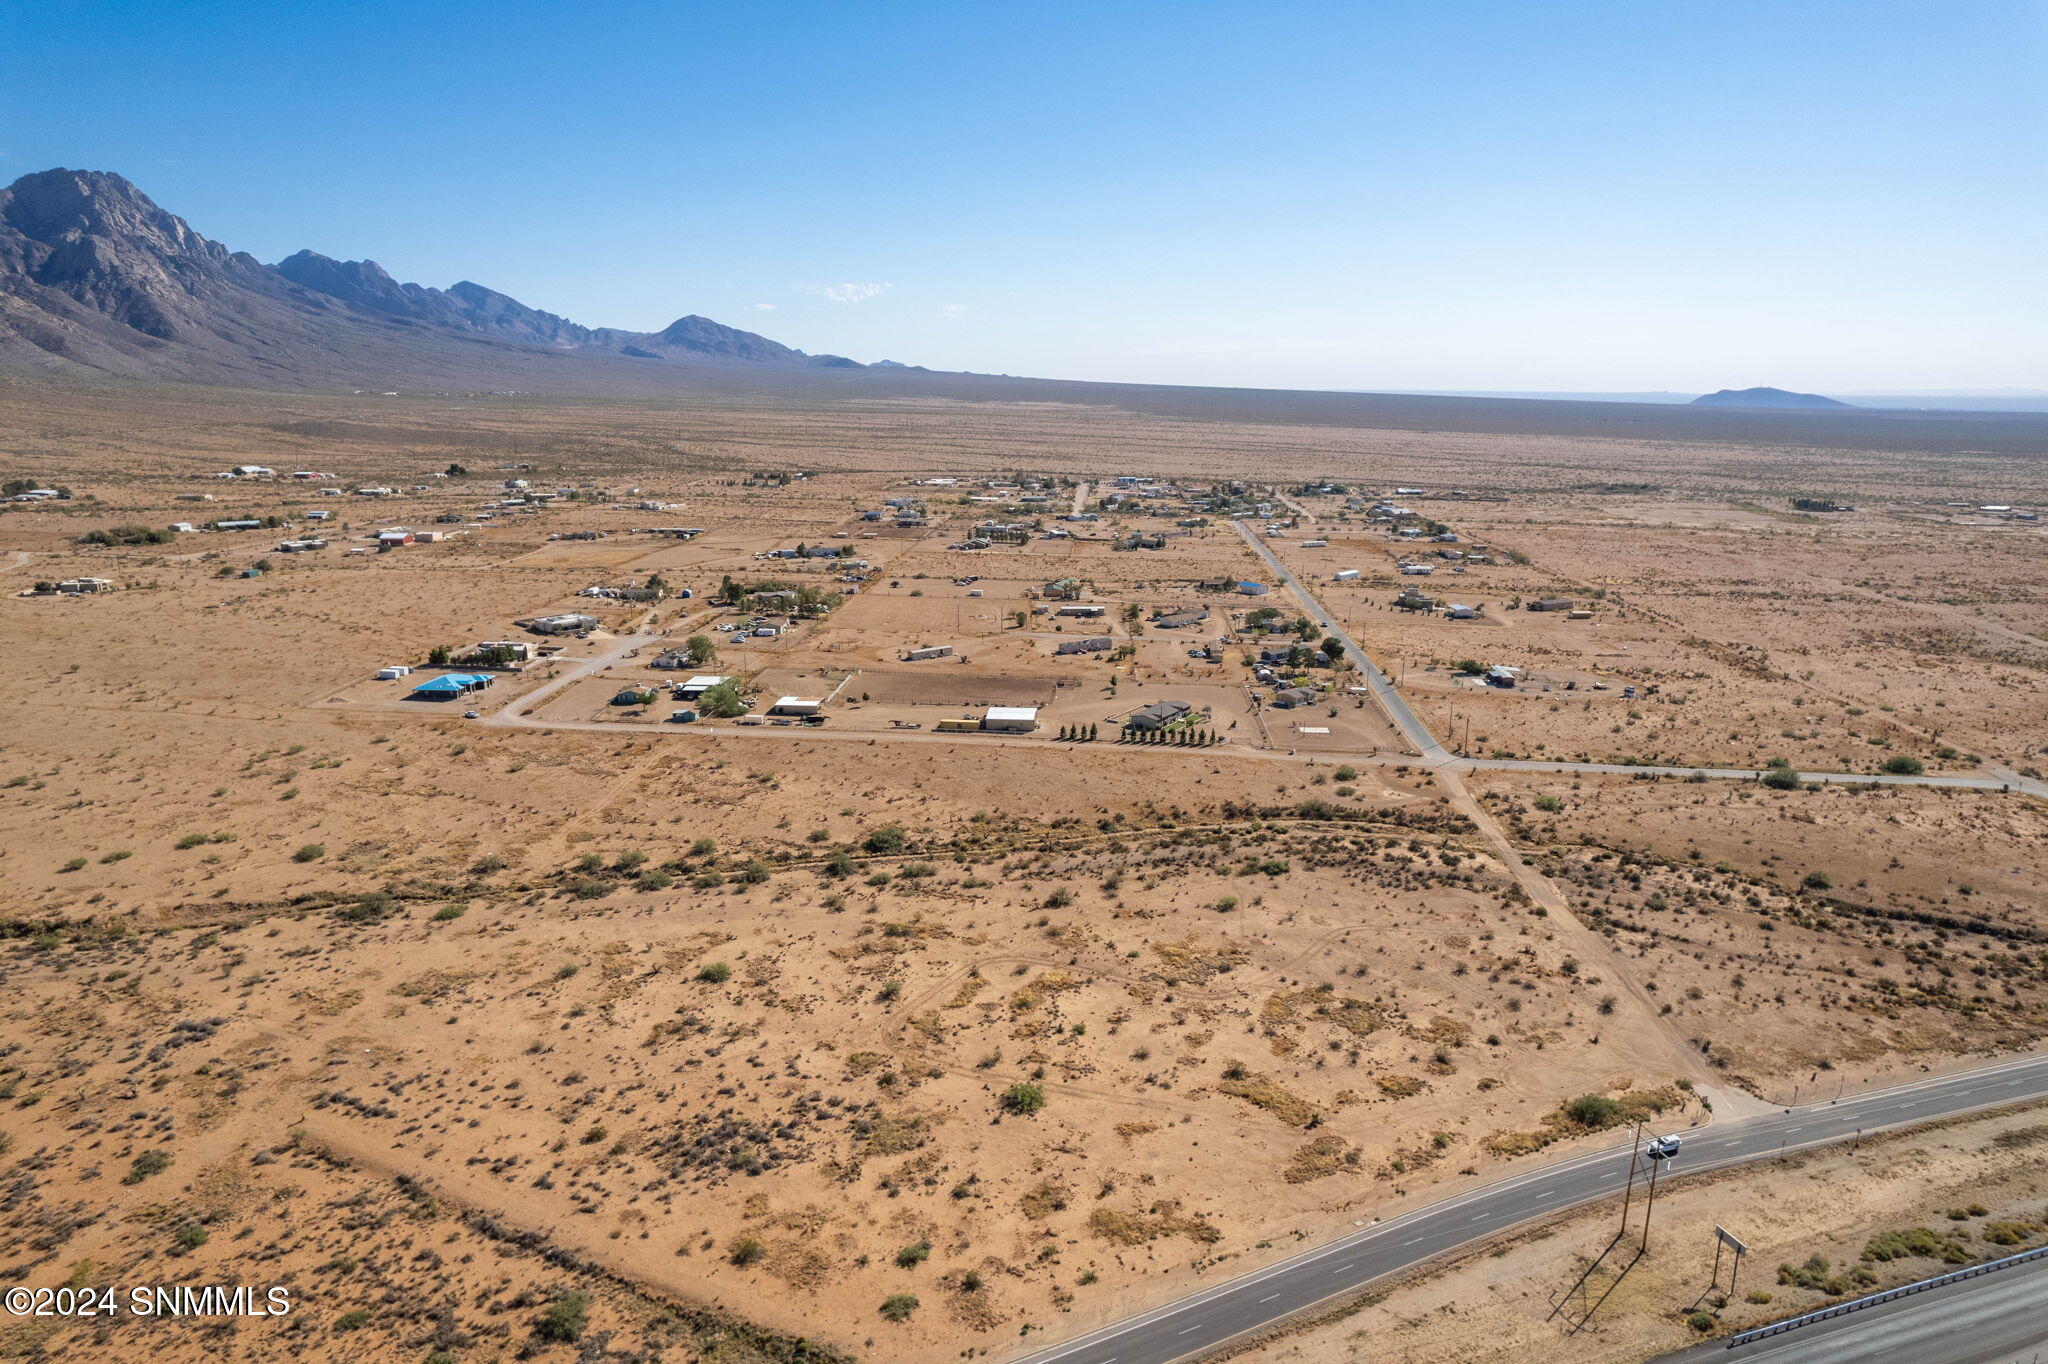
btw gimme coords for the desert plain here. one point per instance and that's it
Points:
(894, 1024)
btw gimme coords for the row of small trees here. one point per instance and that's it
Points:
(1186, 737)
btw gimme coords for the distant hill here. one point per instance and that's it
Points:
(1763, 397)
(95, 277)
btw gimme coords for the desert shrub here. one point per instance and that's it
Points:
(899, 1306)
(565, 1318)
(745, 1250)
(368, 907)
(310, 852)
(1025, 1098)
(914, 1254)
(147, 1164)
(887, 839)
(1916, 1243)
(192, 1236)
(1903, 766)
(1595, 1112)
(716, 973)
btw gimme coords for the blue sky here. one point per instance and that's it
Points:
(1461, 194)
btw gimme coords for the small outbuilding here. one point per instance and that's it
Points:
(1010, 719)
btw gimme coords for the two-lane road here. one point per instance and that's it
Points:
(1214, 1316)
(1406, 720)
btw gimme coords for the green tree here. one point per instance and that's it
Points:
(700, 649)
(723, 701)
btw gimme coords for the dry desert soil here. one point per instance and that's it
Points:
(568, 1032)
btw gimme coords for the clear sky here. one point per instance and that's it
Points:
(1464, 194)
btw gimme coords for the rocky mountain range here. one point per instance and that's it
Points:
(96, 278)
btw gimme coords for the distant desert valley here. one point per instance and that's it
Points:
(798, 861)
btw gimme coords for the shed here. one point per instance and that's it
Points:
(1010, 719)
(1251, 589)
(796, 705)
(696, 686)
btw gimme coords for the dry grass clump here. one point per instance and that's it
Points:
(1320, 1158)
(1161, 1219)
(1188, 962)
(1261, 1092)
(1044, 1200)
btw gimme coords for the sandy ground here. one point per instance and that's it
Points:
(434, 998)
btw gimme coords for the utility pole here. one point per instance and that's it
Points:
(1628, 1190)
(1650, 1206)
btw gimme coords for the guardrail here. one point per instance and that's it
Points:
(1903, 1290)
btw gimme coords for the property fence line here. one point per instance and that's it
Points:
(1903, 1290)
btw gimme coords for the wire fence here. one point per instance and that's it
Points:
(1903, 1290)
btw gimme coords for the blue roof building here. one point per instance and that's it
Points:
(450, 685)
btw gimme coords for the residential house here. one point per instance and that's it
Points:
(1158, 715)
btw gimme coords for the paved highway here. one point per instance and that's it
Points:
(2001, 1318)
(1228, 1311)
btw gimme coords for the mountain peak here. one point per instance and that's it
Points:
(1764, 397)
(95, 274)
